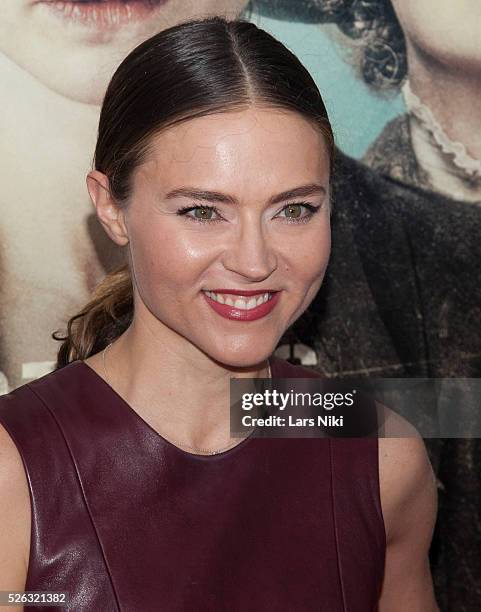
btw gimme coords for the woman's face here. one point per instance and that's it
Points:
(246, 232)
(74, 46)
(442, 30)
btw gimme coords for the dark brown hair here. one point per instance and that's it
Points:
(190, 70)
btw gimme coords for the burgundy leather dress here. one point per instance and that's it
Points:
(124, 520)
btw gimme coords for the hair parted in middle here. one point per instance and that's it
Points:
(193, 69)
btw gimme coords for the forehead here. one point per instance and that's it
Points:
(237, 149)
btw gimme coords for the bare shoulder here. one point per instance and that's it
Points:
(394, 425)
(15, 516)
(407, 482)
(409, 506)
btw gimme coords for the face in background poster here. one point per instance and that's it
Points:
(429, 52)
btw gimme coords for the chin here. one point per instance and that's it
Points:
(242, 358)
(243, 350)
(75, 72)
(75, 80)
(86, 94)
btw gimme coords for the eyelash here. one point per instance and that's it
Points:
(312, 211)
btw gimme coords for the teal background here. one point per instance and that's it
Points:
(357, 114)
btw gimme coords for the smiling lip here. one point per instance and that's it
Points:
(238, 314)
(243, 292)
(102, 14)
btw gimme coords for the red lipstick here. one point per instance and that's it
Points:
(241, 314)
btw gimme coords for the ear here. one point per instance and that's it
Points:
(110, 215)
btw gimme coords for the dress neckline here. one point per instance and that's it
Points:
(122, 402)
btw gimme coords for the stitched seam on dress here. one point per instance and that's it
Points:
(378, 504)
(83, 493)
(336, 534)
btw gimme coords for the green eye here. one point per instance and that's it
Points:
(201, 214)
(294, 211)
(204, 213)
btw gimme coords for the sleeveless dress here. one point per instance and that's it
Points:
(122, 519)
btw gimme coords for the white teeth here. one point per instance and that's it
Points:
(243, 303)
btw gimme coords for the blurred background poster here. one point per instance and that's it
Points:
(401, 80)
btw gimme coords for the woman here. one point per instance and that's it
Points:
(214, 176)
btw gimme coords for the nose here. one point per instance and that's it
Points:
(251, 253)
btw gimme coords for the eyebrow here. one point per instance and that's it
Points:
(215, 196)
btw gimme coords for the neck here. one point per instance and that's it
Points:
(183, 393)
(453, 95)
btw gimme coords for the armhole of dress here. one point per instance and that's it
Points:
(334, 521)
(378, 490)
(343, 450)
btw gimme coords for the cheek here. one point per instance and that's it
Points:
(443, 29)
(157, 261)
(167, 260)
(308, 261)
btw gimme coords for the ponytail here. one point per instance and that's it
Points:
(103, 319)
